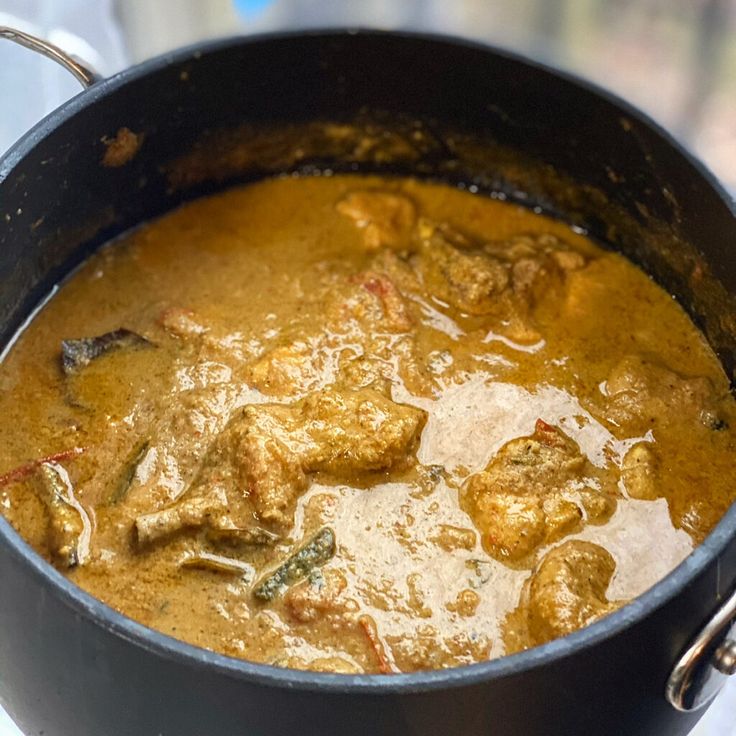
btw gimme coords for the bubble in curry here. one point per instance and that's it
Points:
(363, 425)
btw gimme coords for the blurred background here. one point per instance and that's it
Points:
(675, 59)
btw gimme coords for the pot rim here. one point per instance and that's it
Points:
(162, 645)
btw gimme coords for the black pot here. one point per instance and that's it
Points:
(71, 665)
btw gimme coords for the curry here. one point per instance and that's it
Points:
(363, 425)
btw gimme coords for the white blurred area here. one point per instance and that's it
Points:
(33, 86)
(676, 59)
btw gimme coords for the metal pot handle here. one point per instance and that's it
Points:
(84, 73)
(706, 664)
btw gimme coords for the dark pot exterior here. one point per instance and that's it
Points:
(70, 665)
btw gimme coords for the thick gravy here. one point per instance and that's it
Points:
(355, 424)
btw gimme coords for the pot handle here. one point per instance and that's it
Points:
(84, 73)
(706, 664)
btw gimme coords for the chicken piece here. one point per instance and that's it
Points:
(503, 281)
(642, 393)
(372, 301)
(194, 511)
(540, 262)
(396, 315)
(639, 470)
(255, 469)
(535, 491)
(319, 598)
(388, 357)
(370, 320)
(365, 310)
(356, 431)
(469, 279)
(385, 218)
(267, 461)
(178, 442)
(290, 369)
(548, 458)
(366, 371)
(564, 515)
(567, 590)
(249, 474)
(512, 526)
